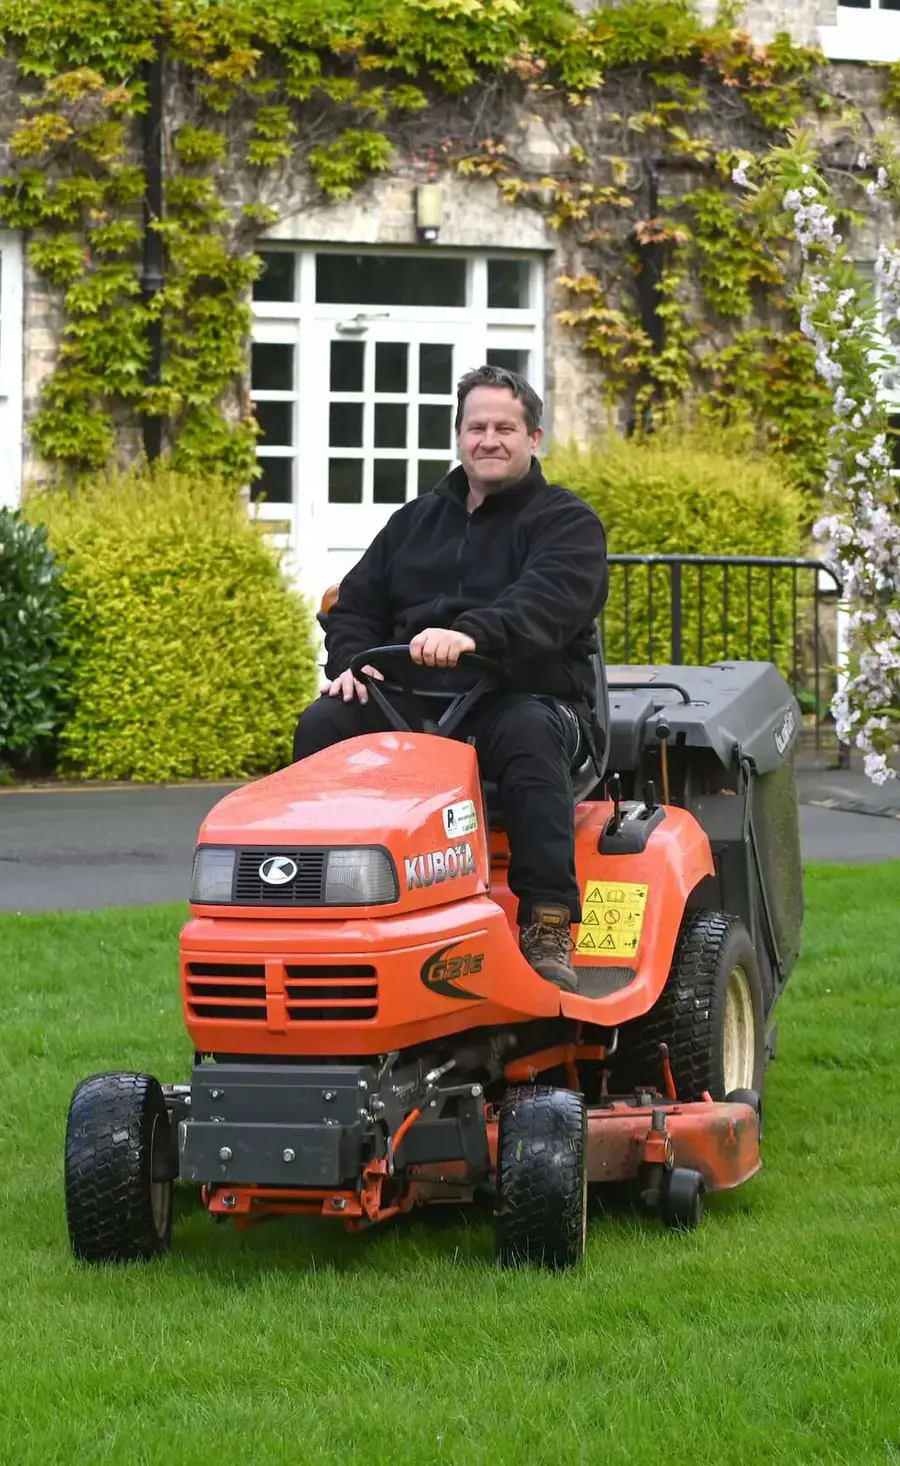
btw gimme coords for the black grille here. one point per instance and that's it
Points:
(306, 889)
(318, 994)
(231, 990)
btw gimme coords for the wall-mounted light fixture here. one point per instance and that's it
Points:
(429, 211)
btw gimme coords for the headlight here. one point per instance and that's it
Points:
(213, 875)
(359, 878)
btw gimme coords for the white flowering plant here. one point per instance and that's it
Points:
(859, 529)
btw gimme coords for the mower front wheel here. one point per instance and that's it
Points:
(684, 1200)
(119, 1170)
(542, 1177)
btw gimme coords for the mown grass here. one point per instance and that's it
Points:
(770, 1335)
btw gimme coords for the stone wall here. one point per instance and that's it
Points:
(382, 214)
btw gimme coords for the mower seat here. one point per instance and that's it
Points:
(585, 773)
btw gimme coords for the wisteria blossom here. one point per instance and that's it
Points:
(859, 532)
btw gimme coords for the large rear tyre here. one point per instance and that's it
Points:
(119, 1173)
(710, 1014)
(541, 1212)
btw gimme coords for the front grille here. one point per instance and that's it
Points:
(317, 994)
(306, 889)
(234, 991)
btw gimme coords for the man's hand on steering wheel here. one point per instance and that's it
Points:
(437, 647)
(347, 687)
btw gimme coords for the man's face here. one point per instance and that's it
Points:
(494, 445)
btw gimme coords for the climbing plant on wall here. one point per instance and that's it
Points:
(349, 88)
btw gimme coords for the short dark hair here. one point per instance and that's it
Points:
(494, 376)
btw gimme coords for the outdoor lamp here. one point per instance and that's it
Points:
(429, 211)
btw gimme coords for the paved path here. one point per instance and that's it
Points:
(87, 848)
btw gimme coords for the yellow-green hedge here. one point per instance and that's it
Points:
(189, 655)
(689, 493)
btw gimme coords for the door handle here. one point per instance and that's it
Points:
(360, 322)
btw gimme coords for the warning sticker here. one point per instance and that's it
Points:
(611, 920)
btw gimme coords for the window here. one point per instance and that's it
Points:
(866, 30)
(274, 392)
(395, 279)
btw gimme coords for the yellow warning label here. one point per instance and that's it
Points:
(612, 918)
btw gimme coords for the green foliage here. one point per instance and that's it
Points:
(31, 600)
(683, 492)
(333, 83)
(189, 655)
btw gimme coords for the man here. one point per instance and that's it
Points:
(494, 560)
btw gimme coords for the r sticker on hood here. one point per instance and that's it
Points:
(460, 819)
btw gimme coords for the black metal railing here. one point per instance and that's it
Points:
(699, 609)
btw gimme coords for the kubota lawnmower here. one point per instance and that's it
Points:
(367, 1034)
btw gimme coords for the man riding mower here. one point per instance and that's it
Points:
(378, 975)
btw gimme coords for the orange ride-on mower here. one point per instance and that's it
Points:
(368, 1036)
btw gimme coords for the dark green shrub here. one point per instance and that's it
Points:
(689, 493)
(30, 638)
(190, 656)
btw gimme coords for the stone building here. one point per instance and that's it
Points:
(366, 315)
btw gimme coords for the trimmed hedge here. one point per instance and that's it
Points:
(31, 601)
(190, 656)
(686, 493)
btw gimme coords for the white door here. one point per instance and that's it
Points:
(380, 430)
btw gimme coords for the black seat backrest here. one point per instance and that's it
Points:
(601, 699)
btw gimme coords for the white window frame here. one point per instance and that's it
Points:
(300, 322)
(870, 34)
(11, 367)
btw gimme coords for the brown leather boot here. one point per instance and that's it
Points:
(546, 945)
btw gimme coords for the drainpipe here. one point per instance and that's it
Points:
(652, 260)
(153, 277)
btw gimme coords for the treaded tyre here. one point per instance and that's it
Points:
(541, 1177)
(710, 1013)
(119, 1174)
(684, 1200)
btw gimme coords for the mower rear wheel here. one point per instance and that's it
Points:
(542, 1177)
(119, 1170)
(684, 1200)
(710, 1014)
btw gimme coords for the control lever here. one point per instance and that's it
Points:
(650, 796)
(614, 792)
(663, 732)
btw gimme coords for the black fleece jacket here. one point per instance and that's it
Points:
(525, 575)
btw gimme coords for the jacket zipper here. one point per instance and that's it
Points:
(463, 545)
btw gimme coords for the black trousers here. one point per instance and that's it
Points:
(525, 746)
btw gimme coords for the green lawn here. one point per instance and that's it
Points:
(771, 1334)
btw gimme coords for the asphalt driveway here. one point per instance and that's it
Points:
(65, 849)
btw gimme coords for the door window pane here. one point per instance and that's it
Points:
(277, 279)
(390, 425)
(389, 480)
(435, 426)
(345, 480)
(511, 361)
(345, 425)
(347, 366)
(431, 471)
(276, 423)
(508, 282)
(391, 373)
(275, 485)
(272, 367)
(394, 279)
(435, 369)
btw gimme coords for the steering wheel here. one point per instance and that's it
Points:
(404, 671)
